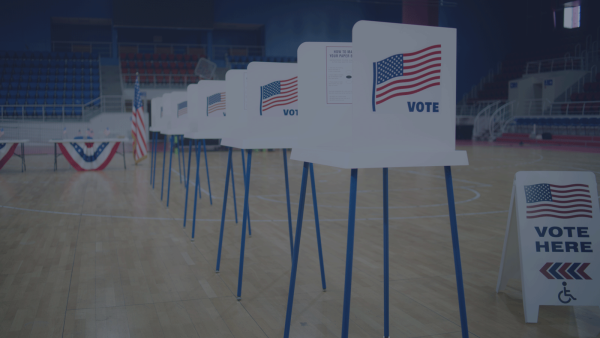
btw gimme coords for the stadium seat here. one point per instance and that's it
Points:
(68, 111)
(29, 111)
(78, 111)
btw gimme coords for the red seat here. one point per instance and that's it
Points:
(187, 57)
(171, 57)
(179, 57)
(155, 57)
(147, 57)
(139, 57)
(163, 57)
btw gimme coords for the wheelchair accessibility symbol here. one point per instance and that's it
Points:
(565, 294)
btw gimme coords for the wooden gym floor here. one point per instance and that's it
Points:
(98, 254)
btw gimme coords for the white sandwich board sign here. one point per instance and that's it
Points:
(552, 240)
(403, 98)
(271, 105)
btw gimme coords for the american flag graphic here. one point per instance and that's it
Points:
(558, 201)
(138, 129)
(215, 103)
(278, 93)
(181, 108)
(406, 74)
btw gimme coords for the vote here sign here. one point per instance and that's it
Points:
(553, 232)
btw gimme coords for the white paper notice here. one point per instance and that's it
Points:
(339, 75)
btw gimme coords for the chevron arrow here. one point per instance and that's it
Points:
(553, 272)
(572, 271)
(563, 271)
(544, 270)
(581, 270)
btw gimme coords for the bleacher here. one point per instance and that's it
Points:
(241, 62)
(569, 131)
(159, 69)
(47, 84)
(591, 91)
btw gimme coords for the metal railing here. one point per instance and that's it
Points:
(555, 124)
(66, 112)
(159, 80)
(101, 48)
(579, 85)
(553, 65)
(47, 112)
(472, 109)
(481, 122)
(161, 48)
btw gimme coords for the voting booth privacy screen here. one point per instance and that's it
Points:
(157, 112)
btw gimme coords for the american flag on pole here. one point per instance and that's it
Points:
(558, 201)
(406, 74)
(278, 93)
(215, 103)
(138, 129)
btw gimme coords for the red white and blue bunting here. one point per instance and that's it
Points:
(85, 156)
(6, 152)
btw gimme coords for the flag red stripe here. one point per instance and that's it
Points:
(422, 57)
(572, 190)
(572, 201)
(423, 63)
(288, 85)
(556, 216)
(294, 78)
(561, 206)
(408, 80)
(568, 186)
(558, 211)
(408, 93)
(422, 50)
(277, 105)
(422, 69)
(407, 87)
(268, 106)
(569, 196)
(291, 90)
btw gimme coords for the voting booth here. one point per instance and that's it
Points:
(552, 240)
(264, 102)
(156, 114)
(400, 113)
(208, 120)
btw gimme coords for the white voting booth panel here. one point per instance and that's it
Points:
(166, 113)
(403, 99)
(552, 240)
(207, 101)
(235, 86)
(177, 113)
(271, 104)
(156, 114)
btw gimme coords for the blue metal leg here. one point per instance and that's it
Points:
(207, 176)
(162, 185)
(183, 158)
(151, 153)
(170, 164)
(317, 226)
(187, 185)
(349, 254)
(198, 153)
(287, 195)
(233, 185)
(296, 252)
(224, 209)
(455, 246)
(386, 257)
(155, 155)
(244, 172)
(246, 211)
(177, 149)
(196, 191)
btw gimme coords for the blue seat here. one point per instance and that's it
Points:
(29, 111)
(45, 55)
(69, 71)
(50, 100)
(86, 96)
(96, 86)
(69, 86)
(70, 63)
(19, 111)
(95, 72)
(4, 93)
(11, 101)
(86, 78)
(77, 78)
(87, 87)
(59, 101)
(51, 94)
(52, 71)
(13, 93)
(51, 79)
(95, 79)
(33, 78)
(14, 85)
(77, 93)
(22, 93)
(49, 111)
(9, 111)
(21, 101)
(30, 101)
(69, 100)
(6, 77)
(60, 79)
(39, 111)
(77, 100)
(95, 93)
(68, 111)
(41, 86)
(78, 111)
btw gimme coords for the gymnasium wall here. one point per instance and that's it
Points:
(26, 24)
